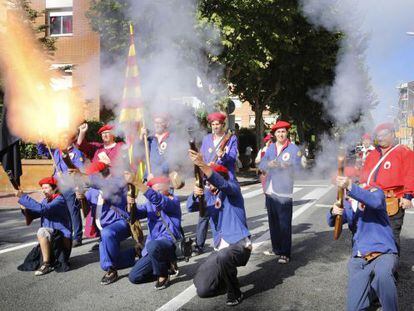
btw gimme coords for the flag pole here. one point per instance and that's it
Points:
(145, 136)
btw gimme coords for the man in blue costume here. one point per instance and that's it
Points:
(76, 157)
(374, 252)
(212, 152)
(54, 218)
(279, 164)
(107, 198)
(232, 238)
(163, 213)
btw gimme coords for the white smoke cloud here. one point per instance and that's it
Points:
(351, 92)
(171, 54)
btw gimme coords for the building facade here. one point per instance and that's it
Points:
(77, 48)
(405, 117)
(244, 115)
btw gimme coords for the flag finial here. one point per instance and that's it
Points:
(131, 29)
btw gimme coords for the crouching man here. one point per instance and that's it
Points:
(232, 238)
(164, 222)
(374, 253)
(107, 198)
(55, 232)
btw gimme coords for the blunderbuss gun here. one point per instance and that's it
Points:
(68, 161)
(340, 194)
(134, 224)
(199, 182)
(16, 186)
(223, 144)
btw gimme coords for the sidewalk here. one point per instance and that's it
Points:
(8, 200)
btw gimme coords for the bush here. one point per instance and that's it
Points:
(92, 133)
(28, 151)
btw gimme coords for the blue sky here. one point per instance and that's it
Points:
(390, 51)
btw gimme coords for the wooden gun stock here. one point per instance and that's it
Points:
(340, 195)
(131, 207)
(16, 186)
(134, 224)
(84, 207)
(199, 182)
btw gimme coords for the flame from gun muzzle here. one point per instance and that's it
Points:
(36, 111)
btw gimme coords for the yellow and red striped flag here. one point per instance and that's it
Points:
(132, 106)
(132, 103)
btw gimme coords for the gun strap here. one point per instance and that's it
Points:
(169, 230)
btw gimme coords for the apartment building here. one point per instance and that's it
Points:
(77, 48)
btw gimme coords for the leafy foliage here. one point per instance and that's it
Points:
(273, 56)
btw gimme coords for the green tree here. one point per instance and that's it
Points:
(272, 56)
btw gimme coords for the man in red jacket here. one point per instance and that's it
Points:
(391, 167)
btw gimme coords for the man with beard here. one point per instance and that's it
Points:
(105, 152)
(390, 167)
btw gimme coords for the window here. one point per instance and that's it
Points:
(60, 23)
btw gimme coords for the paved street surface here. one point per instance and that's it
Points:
(315, 279)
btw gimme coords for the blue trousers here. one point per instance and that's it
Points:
(279, 212)
(202, 228)
(161, 253)
(110, 255)
(74, 210)
(366, 277)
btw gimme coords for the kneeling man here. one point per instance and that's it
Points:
(232, 238)
(55, 225)
(374, 253)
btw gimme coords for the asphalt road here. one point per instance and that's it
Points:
(315, 279)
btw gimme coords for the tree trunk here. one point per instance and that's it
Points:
(259, 126)
(301, 132)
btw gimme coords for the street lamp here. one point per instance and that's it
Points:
(410, 33)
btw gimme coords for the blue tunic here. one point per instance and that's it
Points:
(210, 199)
(157, 205)
(370, 226)
(279, 180)
(53, 214)
(111, 209)
(161, 155)
(75, 155)
(229, 157)
(230, 214)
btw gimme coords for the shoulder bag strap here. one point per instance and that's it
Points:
(379, 163)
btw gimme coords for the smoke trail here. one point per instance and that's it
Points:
(350, 100)
(351, 94)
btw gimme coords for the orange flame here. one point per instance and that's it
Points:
(35, 110)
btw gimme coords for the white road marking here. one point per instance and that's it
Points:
(323, 186)
(184, 297)
(14, 248)
(178, 301)
(409, 212)
(323, 205)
